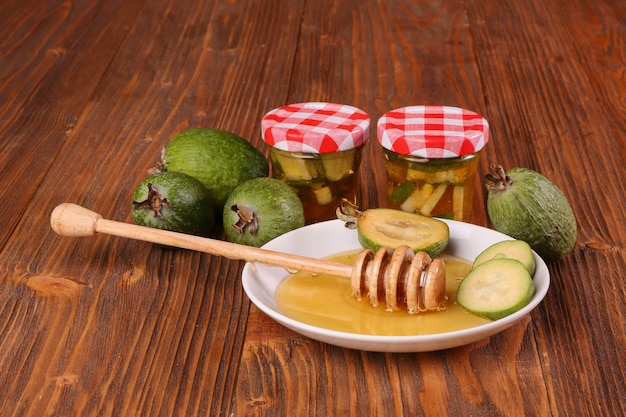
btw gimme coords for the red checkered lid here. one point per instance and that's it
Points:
(433, 131)
(315, 127)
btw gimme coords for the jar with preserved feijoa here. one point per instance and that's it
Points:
(431, 158)
(316, 148)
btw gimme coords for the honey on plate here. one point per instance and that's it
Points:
(326, 301)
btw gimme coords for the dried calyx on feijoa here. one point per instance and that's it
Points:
(384, 227)
(260, 210)
(526, 205)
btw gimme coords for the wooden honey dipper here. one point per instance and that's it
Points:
(399, 276)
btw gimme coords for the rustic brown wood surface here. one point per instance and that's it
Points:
(90, 90)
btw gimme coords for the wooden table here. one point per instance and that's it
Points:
(90, 90)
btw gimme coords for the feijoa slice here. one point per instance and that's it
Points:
(383, 227)
(403, 192)
(514, 249)
(496, 288)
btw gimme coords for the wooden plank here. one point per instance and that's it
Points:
(106, 326)
(534, 88)
(546, 98)
(380, 56)
(45, 83)
(284, 373)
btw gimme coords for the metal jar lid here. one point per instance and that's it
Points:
(315, 127)
(433, 131)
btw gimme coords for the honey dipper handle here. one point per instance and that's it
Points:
(72, 220)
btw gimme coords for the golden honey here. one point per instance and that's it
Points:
(326, 301)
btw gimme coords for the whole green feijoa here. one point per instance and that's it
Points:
(260, 210)
(527, 206)
(173, 201)
(221, 160)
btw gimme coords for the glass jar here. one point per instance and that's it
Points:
(431, 158)
(316, 149)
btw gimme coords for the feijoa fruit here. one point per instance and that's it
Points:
(260, 210)
(173, 201)
(383, 227)
(512, 249)
(496, 288)
(525, 205)
(219, 159)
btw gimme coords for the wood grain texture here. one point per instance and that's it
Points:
(91, 90)
(45, 84)
(151, 331)
(458, 381)
(560, 68)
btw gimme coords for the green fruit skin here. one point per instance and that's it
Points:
(534, 210)
(513, 249)
(192, 209)
(434, 245)
(490, 311)
(276, 204)
(221, 160)
(433, 250)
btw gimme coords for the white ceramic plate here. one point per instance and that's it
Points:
(320, 240)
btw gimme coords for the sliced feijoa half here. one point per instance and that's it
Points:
(392, 228)
(514, 249)
(496, 288)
